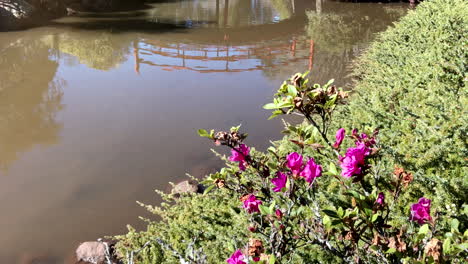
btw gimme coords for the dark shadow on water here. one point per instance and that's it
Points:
(116, 15)
(122, 26)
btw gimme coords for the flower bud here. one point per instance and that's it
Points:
(279, 214)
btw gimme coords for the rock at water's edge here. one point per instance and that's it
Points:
(187, 187)
(91, 252)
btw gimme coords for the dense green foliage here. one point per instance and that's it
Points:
(209, 222)
(411, 85)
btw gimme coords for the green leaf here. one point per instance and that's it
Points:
(231, 248)
(340, 212)
(272, 259)
(374, 217)
(326, 221)
(463, 246)
(292, 91)
(264, 210)
(355, 194)
(336, 222)
(300, 210)
(203, 133)
(330, 213)
(272, 165)
(454, 224)
(207, 190)
(270, 106)
(330, 102)
(333, 169)
(272, 207)
(235, 128)
(391, 251)
(446, 246)
(275, 114)
(424, 229)
(367, 211)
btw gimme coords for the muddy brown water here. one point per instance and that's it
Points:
(97, 111)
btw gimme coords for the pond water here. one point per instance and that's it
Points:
(97, 111)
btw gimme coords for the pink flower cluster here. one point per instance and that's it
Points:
(354, 160)
(421, 211)
(251, 204)
(294, 161)
(236, 258)
(239, 155)
(309, 172)
(279, 182)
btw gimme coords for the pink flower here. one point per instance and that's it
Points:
(340, 135)
(294, 162)
(380, 198)
(279, 181)
(311, 171)
(351, 164)
(279, 214)
(251, 204)
(421, 211)
(239, 155)
(364, 138)
(236, 258)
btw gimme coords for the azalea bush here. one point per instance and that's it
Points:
(328, 195)
(314, 196)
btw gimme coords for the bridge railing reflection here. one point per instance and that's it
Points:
(223, 57)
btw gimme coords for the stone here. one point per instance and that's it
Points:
(91, 252)
(186, 187)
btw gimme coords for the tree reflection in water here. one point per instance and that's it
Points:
(30, 97)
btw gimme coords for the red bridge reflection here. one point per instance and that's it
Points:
(224, 57)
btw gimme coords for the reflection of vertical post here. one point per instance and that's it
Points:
(183, 57)
(226, 12)
(136, 54)
(217, 13)
(293, 47)
(227, 57)
(293, 4)
(311, 54)
(318, 6)
(56, 45)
